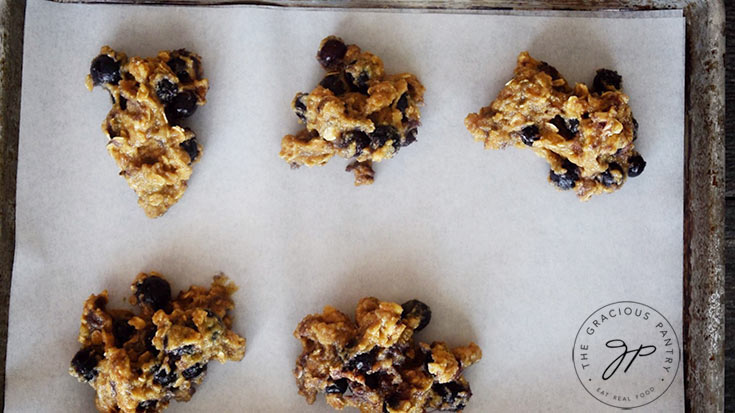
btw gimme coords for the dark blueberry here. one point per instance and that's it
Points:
(410, 137)
(454, 395)
(123, 102)
(337, 386)
(299, 107)
(122, 332)
(105, 69)
(149, 341)
(606, 80)
(166, 91)
(346, 139)
(165, 377)
(607, 178)
(361, 362)
(566, 180)
(361, 139)
(428, 359)
(194, 371)
(94, 320)
(84, 363)
(331, 53)
(573, 125)
(417, 309)
(586, 115)
(635, 129)
(567, 129)
(334, 83)
(178, 66)
(443, 390)
(636, 165)
(182, 106)
(154, 291)
(147, 406)
(196, 63)
(191, 147)
(391, 401)
(372, 380)
(187, 349)
(549, 70)
(360, 84)
(530, 134)
(402, 103)
(197, 66)
(382, 134)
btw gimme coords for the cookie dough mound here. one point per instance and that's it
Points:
(150, 96)
(585, 135)
(357, 111)
(138, 362)
(375, 365)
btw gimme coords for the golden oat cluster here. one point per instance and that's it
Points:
(585, 135)
(138, 362)
(374, 363)
(357, 112)
(150, 97)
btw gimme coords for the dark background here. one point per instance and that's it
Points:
(730, 208)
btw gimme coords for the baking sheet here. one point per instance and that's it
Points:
(501, 257)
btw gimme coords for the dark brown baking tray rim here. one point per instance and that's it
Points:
(704, 163)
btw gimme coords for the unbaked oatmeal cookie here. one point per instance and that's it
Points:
(150, 97)
(586, 135)
(375, 365)
(357, 112)
(138, 362)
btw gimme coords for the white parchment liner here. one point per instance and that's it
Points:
(502, 258)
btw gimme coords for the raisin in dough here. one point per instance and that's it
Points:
(586, 136)
(137, 363)
(357, 111)
(375, 365)
(150, 96)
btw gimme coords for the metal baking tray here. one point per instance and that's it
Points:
(704, 163)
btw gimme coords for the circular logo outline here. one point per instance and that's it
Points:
(678, 346)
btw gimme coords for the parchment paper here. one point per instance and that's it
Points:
(501, 257)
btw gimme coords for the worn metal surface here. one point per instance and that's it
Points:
(704, 323)
(730, 210)
(430, 4)
(704, 237)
